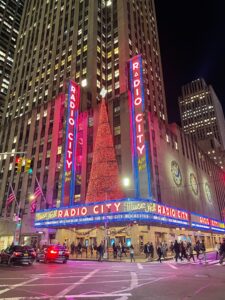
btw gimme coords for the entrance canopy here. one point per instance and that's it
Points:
(124, 210)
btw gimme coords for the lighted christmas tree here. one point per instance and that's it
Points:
(104, 182)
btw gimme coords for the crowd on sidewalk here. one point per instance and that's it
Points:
(179, 250)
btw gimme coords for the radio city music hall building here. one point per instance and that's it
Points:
(55, 120)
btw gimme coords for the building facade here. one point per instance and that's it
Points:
(202, 118)
(10, 17)
(95, 43)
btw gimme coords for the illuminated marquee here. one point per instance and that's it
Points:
(124, 210)
(117, 210)
(68, 180)
(203, 222)
(139, 144)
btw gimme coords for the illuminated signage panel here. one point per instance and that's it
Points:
(140, 153)
(117, 210)
(68, 180)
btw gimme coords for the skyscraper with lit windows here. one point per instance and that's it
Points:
(10, 17)
(202, 118)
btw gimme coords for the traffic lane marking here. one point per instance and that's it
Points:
(83, 283)
(172, 266)
(139, 266)
(107, 295)
(17, 285)
(74, 285)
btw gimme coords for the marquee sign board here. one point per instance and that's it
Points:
(124, 210)
(116, 211)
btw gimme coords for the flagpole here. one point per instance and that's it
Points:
(6, 206)
(40, 189)
(17, 203)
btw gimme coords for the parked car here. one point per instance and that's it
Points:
(53, 253)
(18, 255)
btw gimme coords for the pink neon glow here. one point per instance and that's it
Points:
(74, 105)
(140, 141)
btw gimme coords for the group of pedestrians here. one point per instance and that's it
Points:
(186, 251)
(180, 250)
(149, 251)
(119, 250)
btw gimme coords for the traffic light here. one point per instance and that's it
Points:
(18, 165)
(27, 166)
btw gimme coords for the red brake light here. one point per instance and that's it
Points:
(16, 253)
(53, 251)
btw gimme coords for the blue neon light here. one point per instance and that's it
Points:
(146, 142)
(134, 158)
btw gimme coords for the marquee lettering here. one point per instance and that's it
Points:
(72, 114)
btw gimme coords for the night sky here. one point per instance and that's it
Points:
(192, 44)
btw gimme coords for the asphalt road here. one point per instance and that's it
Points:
(114, 280)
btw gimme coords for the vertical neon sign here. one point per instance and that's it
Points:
(140, 152)
(68, 179)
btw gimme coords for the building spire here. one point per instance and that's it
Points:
(104, 182)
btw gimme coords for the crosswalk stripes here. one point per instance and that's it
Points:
(196, 262)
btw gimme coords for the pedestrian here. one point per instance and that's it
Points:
(164, 250)
(100, 250)
(159, 252)
(190, 253)
(183, 250)
(151, 251)
(72, 248)
(197, 249)
(171, 248)
(92, 249)
(79, 248)
(119, 251)
(132, 253)
(146, 250)
(114, 251)
(222, 252)
(124, 250)
(176, 249)
(217, 249)
(203, 249)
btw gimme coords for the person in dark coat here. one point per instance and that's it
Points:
(222, 252)
(100, 250)
(176, 248)
(197, 249)
(151, 251)
(159, 252)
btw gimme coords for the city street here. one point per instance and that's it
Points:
(114, 280)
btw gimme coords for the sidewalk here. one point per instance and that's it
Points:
(138, 259)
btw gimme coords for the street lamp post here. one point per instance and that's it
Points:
(125, 183)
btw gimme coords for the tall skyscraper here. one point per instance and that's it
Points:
(10, 17)
(89, 41)
(202, 118)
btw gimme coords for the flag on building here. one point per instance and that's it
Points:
(11, 197)
(33, 206)
(37, 192)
